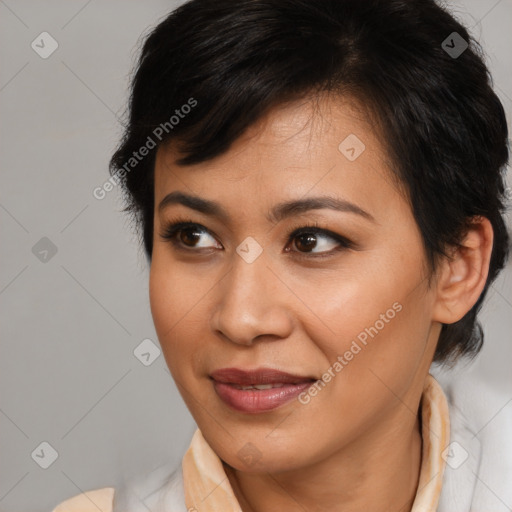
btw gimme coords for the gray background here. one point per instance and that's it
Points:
(70, 324)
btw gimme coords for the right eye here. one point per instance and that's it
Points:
(187, 236)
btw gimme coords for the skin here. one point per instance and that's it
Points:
(293, 312)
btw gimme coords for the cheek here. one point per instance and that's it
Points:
(176, 293)
(161, 298)
(376, 317)
(174, 302)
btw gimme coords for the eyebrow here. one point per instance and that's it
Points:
(277, 213)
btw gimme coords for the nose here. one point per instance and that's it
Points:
(252, 304)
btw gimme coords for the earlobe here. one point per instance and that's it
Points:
(463, 274)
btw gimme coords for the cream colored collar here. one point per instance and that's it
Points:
(207, 487)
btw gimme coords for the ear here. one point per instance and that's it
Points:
(462, 275)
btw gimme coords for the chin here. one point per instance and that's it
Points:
(260, 453)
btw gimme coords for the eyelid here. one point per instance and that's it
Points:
(171, 229)
(314, 228)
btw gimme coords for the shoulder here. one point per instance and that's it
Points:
(479, 456)
(89, 501)
(161, 490)
(476, 404)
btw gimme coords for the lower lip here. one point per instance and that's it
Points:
(258, 400)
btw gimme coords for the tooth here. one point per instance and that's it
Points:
(259, 386)
(263, 386)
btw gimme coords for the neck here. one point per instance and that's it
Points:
(379, 472)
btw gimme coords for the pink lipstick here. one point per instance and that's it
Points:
(259, 390)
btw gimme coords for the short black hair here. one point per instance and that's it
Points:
(410, 62)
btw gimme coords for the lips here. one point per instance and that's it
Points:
(260, 390)
(257, 377)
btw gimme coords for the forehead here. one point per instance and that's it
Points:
(312, 145)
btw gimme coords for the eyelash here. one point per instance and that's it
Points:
(173, 228)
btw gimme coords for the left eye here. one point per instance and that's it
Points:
(314, 241)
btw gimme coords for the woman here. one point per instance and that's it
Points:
(319, 188)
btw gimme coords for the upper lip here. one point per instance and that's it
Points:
(257, 376)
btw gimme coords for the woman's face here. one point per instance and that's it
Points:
(348, 307)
